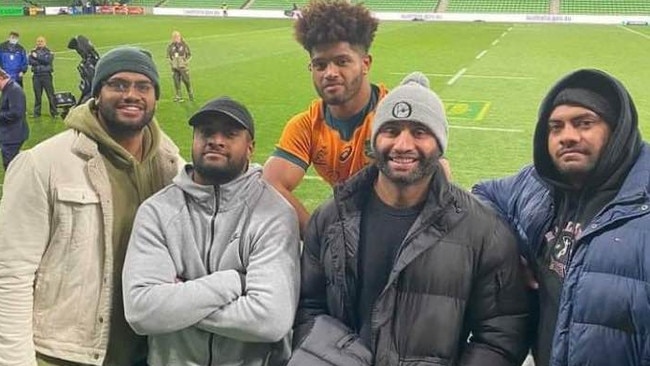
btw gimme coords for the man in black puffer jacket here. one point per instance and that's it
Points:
(41, 59)
(414, 266)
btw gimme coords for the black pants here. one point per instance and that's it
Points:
(9, 152)
(43, 82)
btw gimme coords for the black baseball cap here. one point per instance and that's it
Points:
(226, 106)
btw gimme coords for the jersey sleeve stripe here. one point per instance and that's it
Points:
(290, 157)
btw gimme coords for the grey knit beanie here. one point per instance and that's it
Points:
(413, 101)
(125, 58)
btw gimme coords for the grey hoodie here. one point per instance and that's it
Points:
(189, 248)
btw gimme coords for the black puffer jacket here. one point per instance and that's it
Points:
(457, 272)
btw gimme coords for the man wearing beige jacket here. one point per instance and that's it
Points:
(66, 216)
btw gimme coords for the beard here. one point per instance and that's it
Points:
(427, 165)
(117, 127)
(350, 90)
(218, 175)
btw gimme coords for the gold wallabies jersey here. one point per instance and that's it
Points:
(308, 139)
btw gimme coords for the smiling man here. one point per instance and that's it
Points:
(581, 212)
(211, 274)
(406, 260)
(66, 216)
(333, 134)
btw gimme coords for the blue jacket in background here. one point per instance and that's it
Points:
(604, 316)
(13, 59)
(13, 122)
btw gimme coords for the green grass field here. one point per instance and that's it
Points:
(492, 106)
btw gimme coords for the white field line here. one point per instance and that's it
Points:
(494, 43)
(505, 77)
(635, 32)
(457, 76)
(481, 54)
(187, 38)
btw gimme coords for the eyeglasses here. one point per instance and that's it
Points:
(123, 86)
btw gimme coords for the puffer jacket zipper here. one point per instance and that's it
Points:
(212, 221)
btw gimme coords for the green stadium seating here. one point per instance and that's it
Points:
(51, 2)
(498, 6)
(275, 4)
(376, 5)
(404, 5)
(610, 7)
(12, 3)
(146, 3)
(209, 4)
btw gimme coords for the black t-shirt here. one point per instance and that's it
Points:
(574, 209)
(552, 267)
(383, 228)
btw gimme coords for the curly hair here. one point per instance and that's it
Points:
(326, 22)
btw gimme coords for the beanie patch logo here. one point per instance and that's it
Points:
(402, 110)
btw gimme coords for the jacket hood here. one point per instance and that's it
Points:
(230, 195)
(624, 143)
(84, 119)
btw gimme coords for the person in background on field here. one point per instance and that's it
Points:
(179, 55)
(211, 274)
(224, 9)
(333, 133)
(66, 215)
(14, 130)
(41, 59)
(412, 268)
(582, 214)
(13, 58)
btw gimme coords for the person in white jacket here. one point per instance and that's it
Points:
(212, 269)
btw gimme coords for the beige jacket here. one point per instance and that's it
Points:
(56, 207)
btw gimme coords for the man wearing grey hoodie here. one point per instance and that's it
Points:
(211, 273)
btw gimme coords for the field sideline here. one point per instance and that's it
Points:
(490, 76)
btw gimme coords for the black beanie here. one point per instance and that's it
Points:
(121, 59)
(588, 99)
